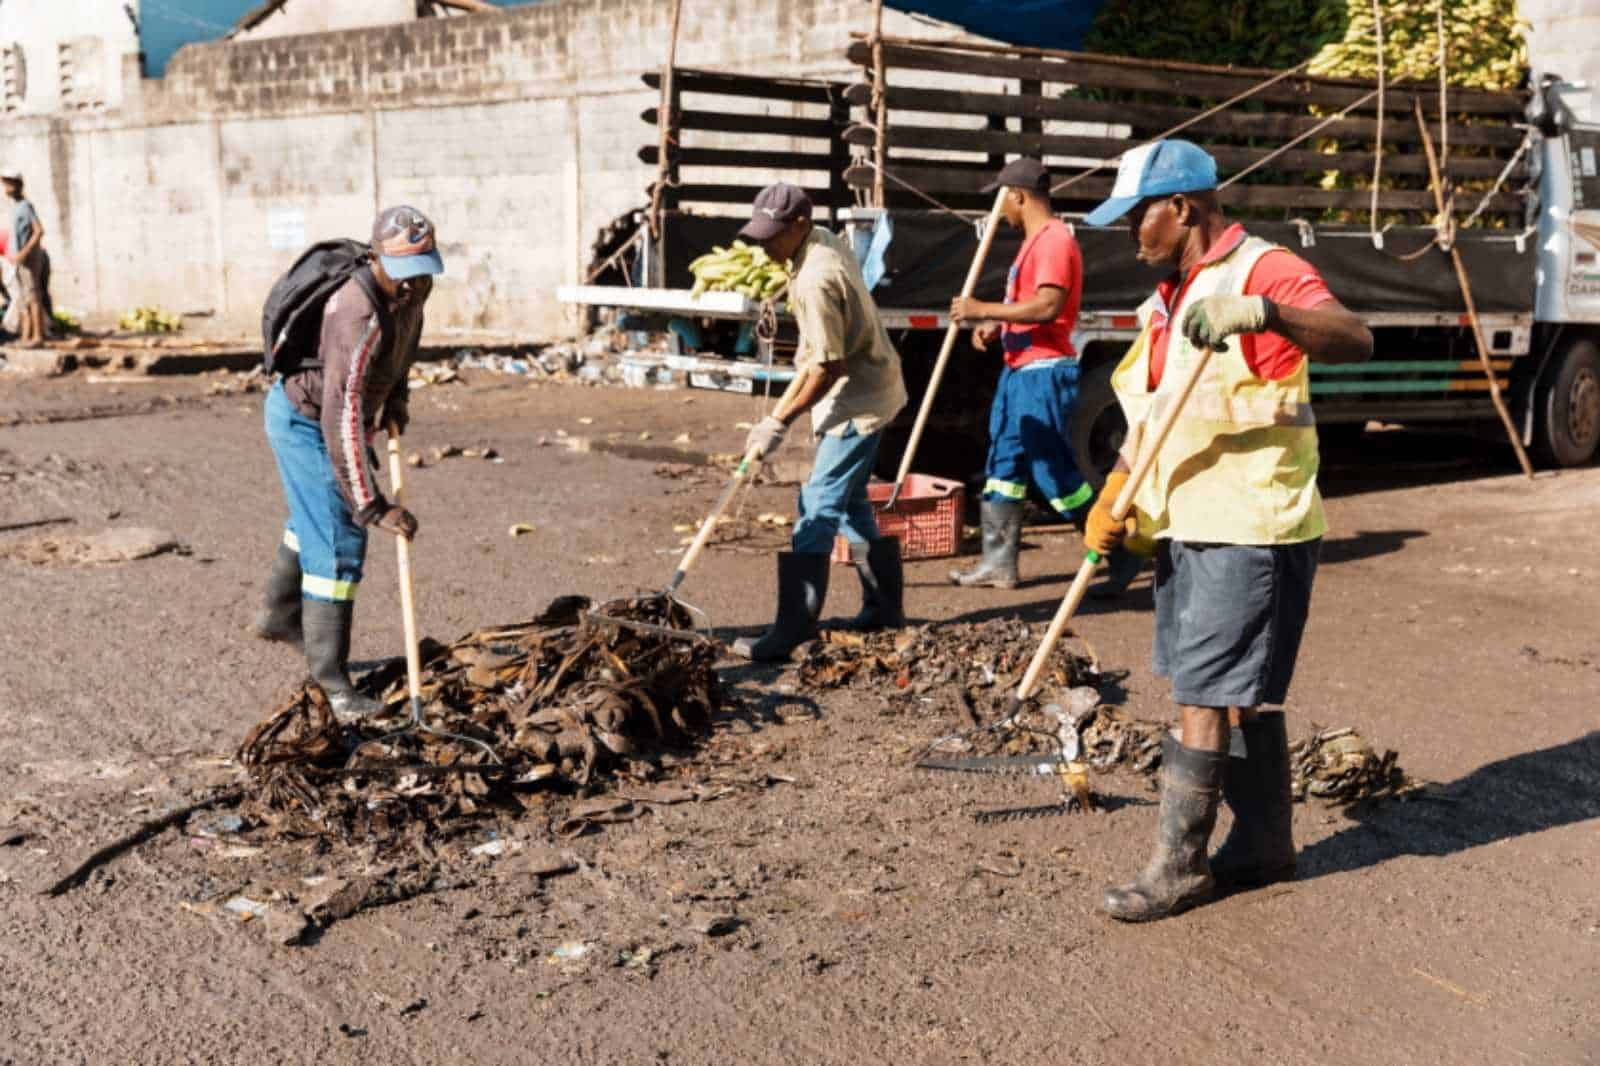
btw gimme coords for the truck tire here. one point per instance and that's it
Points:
(1569, 406)
(1098, 427)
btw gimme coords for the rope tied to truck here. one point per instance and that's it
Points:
(1377, 152)
(1180, 127)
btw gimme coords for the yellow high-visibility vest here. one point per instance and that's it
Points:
(1240, 465)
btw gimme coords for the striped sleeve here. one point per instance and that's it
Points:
(350, 343)
(364, 492)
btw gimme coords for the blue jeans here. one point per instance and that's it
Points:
(332, 546)
(835, 496)
(1029, 427)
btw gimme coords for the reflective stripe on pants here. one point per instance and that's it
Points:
(1029, 430)
(332, 546)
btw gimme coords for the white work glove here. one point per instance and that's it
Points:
(766, 436)
(1213, 319)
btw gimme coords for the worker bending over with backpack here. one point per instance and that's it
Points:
(345, 384)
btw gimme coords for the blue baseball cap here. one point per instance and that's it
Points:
(1157, 169)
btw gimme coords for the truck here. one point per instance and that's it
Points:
(1519, 174)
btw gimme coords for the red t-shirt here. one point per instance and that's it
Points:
(1280, 276)
(1049, 257)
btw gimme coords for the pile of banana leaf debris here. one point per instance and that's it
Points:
(565, 702)
(1339, 766)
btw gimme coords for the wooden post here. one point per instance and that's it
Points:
(1466, 294)
(1031, 87)
(839, 153)
(880, 107)
(997, 123)
(666, 128)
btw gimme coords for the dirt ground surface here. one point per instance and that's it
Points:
(858, 911)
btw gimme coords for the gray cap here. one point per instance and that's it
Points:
(776, 206)
(10, 175)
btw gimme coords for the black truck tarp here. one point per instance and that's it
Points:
(925, 259)
(928, 254)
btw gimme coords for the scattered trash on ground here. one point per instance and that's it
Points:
(109, 546)
(424, 374)
(240, 383)
(1340, 766)
(564, 702)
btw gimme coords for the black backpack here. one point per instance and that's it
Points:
(291, 320)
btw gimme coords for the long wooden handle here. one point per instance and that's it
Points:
(974, 272)
(408, 602)
(1465, 284)
(1149, 447)
(751, 457)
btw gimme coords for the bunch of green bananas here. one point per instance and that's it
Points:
(1486, 43)
(739, 268)
(149, 320)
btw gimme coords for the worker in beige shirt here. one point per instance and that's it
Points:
(852, 387)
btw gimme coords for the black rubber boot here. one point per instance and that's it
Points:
(1001, 521)
(1121, 568)
(883, 586)
(1259, 849)
(327, 640)
(1177, 876)
(279, 617)
(802, 588)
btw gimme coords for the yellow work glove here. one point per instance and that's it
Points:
(1102, 533)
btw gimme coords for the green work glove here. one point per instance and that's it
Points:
(1213, 319)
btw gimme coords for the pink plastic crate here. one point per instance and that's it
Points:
(926, 517)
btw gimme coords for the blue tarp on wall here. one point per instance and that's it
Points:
(1034, 23)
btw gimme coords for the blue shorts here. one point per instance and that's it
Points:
(1229, 618)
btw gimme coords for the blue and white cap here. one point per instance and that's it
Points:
(1157, 169)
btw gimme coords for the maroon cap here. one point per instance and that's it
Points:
(776, 206)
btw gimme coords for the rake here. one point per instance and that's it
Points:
(408, 605)
(1146, 449)
(950, 334)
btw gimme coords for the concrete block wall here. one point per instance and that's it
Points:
(517, 132)
(1564, 38)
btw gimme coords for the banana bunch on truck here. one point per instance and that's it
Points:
(740, 268)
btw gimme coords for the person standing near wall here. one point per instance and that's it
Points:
(319, 420)
(27, 234)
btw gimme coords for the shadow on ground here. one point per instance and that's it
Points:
(1513, 797)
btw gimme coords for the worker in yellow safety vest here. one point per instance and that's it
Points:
(1233, 504)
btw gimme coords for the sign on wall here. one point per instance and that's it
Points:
(286, 229)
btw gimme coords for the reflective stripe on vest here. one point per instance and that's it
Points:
(1240, 465)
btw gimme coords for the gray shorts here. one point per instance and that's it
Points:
(1229, 618)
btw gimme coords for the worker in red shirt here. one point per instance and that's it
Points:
(1231, 499)
(1028, 423)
